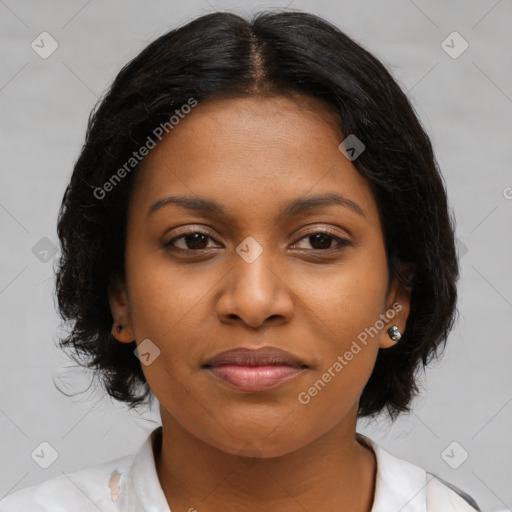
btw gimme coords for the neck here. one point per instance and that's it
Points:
(334, 472)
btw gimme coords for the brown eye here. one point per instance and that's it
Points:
(322, 240)
(198, 240)
(192, 240)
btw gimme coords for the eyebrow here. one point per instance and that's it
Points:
(290, 209)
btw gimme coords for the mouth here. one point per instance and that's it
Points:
(255, 370)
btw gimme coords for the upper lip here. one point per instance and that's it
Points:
(252, 357)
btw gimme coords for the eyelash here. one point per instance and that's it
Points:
(341, 241)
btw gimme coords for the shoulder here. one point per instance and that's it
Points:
(442, 495)
(90, 489)
(402, 485)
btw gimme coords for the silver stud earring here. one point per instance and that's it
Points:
(394, 333)
(119, 328)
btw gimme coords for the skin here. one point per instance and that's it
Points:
(222, 448)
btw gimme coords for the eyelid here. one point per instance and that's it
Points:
(188, 230)
(326, 231)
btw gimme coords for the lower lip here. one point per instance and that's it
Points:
(255, 378)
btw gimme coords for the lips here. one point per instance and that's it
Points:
(255, 370)
(262, 357)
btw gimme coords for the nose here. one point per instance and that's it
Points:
(255, 293)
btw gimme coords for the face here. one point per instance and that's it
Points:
(309, 280)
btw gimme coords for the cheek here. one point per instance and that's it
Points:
(350, 299)
(347, 311)
(163, 305)
(348, 347)
(163, 295)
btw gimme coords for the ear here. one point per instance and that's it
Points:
(397, 307)
(120, 309)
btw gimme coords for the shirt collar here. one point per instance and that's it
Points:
(144, 476)
(399, 485)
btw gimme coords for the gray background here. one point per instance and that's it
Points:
(465, 103)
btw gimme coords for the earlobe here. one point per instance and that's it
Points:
(120, 308)
(396, 314)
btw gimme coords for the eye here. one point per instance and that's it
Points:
(192, 240)
(323, 239)
(198, 240)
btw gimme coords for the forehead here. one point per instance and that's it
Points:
(254, 151)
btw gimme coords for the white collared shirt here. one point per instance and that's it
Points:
(131, 484)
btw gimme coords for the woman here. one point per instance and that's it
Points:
(256, 233)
